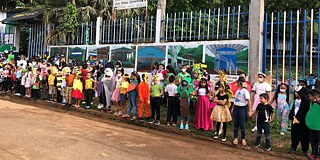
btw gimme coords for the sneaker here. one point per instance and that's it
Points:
(282, 133)
(254, 129)
(150, 121)
(186, 127)
(224, 139)
(168, 124)
(257, 146)
(216, 137)
(141, 120)
(268, 149)
(157, 123)
(83, 102)
(133, 118)
(181, 126)
(87, 107)
(174, 125)
(100, 106)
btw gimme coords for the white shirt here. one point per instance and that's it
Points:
(261, 87)
(241, 97)
(202, 92)
(171, 89)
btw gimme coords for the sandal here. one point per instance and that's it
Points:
(133, 118)
(235, 141)
(244, 142)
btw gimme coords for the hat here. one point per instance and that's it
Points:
(155, 78)
(262, 74)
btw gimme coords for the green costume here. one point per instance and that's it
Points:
(313, 117)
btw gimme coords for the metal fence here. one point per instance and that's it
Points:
(291, 41)
(212, 24)
(85, 34)
(37, 45)
(128, 30)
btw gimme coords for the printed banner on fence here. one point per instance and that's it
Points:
(127, 4)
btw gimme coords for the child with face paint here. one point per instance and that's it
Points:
(258, 88)
(281, 97)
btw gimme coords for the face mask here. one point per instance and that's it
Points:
(260, 79)
(282, 90)
(119, 75)
(184, 70)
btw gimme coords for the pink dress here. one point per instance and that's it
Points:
(203, 112)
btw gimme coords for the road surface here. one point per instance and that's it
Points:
(29, 132)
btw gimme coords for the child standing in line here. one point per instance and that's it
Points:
(144, 97)
(312, 121)
(203, 111)
(282, 104)
(18, 76)
(265, 116)
(242, 104)
(123, 96)
(59, 80)
(77, 90)
(52, 85)
(116, 93)
(23, 82)
(28, 82)
(36, 85)
(299, 129)
(184, 91)
(172, 93)
(132, 94)
(89, 90)
(221, 112)
(156, 93)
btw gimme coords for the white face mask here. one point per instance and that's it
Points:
(184, 70)
(282, 90)
(119, 75)
(260, 79)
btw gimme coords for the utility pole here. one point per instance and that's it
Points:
(256, 19)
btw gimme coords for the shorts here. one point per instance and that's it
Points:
(123, 97)
(52, 90)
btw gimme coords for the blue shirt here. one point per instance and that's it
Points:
(19, 74)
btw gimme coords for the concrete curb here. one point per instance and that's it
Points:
(102, 115)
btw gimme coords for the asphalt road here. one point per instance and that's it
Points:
(28, 132)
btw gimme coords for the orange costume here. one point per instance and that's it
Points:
(144, 98)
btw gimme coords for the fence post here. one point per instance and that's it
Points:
(98, 28)
(158, 25)
(256, 37)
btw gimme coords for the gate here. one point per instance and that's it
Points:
(290, 45)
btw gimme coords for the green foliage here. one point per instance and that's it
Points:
(70, 20)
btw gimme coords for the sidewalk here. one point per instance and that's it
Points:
(103, 115)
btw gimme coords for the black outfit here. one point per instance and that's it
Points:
(17, 85)
(89, 95)
(300, 131)
(264, 117)
(224, 126)
(173, 107)
(155, 107)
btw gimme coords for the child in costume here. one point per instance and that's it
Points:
(203, 111)
(156, 92)
(116, 93)
(69, 79)
(312, 121)
(108, 85)
(221, 113)
(123, 95)
(265, 114)
(77, 90)
(299, 129)
(184, 91)
(36, 80)
(258, 88)
(144, 97)
(281, 97)
(52, 83)
(59, 80)
(132, 94)
(89, 93)
(23, 82)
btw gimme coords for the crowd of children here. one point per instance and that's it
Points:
(190, 93)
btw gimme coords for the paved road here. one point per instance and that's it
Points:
(28, 132)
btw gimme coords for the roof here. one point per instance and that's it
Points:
(23, 18)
